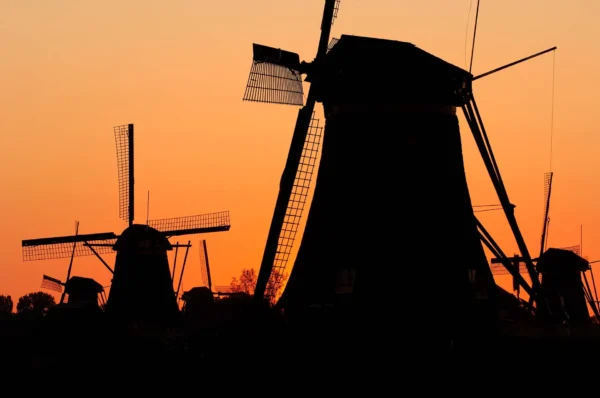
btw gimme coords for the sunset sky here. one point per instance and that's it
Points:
(71, 70)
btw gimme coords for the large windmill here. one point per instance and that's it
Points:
(137, 285)
(391, 154)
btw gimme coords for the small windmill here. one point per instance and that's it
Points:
(107, 242)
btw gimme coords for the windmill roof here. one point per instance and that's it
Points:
(399, 55)
(140, 236)
(81, 283)
(379, 70)
(560, 260)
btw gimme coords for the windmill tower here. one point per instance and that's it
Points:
(391, 151)
(142, 285)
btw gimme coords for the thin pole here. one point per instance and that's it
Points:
(62, 297)
(207, 266)
(581, 240)
(148, 208)
(474, 34)
(552, 108)
(187, 249)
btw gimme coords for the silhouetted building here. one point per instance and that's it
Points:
(199, 307)
(142, 290)
(391, 200)
(83, 291)
(561, 282)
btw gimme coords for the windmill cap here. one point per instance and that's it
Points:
(142, 237)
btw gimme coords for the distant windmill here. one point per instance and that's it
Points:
(137, 245)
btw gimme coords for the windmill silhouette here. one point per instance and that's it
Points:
(372, 91)
(134, 287)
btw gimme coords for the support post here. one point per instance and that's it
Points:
(187, 249)
(477, 128)
(207, 266)
(175, 261)
(99, 258)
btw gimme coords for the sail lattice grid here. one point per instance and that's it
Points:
(296, 205)
(275, 84)
(170, 226)
(122, 143)
(54, 251)
(52, 284)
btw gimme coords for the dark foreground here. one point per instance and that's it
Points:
(94, 344)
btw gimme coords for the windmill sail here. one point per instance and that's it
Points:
(52, 284)
(124, 143)
(62, 246)
(278, 229)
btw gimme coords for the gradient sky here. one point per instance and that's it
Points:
(70, 71)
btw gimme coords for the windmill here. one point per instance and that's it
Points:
(79, 290)
(142, 284)
(391, 123)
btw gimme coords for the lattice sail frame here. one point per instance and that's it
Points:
(274, 84)
(122, 144)
(62, 247)
(210, 222)
(500, 269)
(296, 204)
(52, 284)
(332, 43)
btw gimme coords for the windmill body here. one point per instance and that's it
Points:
(391, 154)
(142, 289)
(562, 272)
(391, 199)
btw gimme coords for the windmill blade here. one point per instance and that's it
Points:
(199, 224)
(62, 246)
(547, 194)
(52, 284)
(275, 77)
(280, 231)
(288, 210)
(124, 143)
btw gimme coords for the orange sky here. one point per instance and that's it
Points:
(70, 71)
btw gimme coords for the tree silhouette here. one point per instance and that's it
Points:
(36, 303)
(247, 282)
(6, 305)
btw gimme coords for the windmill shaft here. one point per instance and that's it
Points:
(285, 191)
